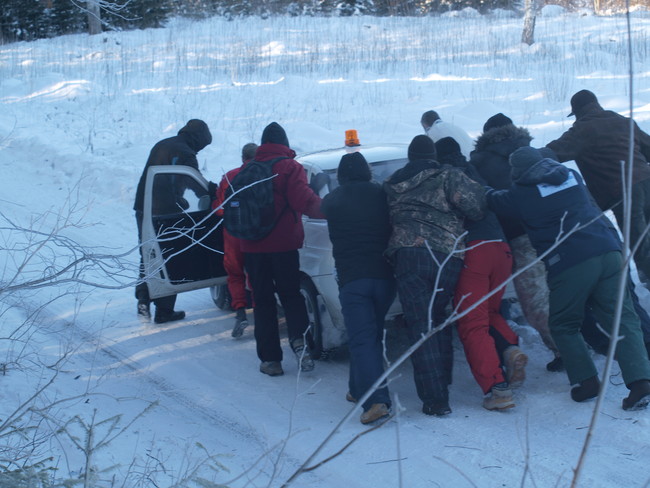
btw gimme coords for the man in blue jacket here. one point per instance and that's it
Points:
(583, 269)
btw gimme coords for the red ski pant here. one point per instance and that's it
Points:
(487, 265)
(233, 262)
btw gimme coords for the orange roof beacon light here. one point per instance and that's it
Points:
(351, 138)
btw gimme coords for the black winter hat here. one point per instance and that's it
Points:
(421, 147)
(498, 120)
(274, 134)
(353, 167)
(522, 159)
(580, 99)
(447, 146)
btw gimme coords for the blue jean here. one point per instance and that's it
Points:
(364, 305)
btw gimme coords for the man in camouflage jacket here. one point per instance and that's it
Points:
(428, 204)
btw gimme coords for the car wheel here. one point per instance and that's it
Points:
(308, 291)
(220, 296)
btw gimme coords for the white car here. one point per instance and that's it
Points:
(181, 246)
(318, 283)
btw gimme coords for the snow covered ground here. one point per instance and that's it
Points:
(170, 405)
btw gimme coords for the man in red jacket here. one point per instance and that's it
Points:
(272, 262)
(233, 258)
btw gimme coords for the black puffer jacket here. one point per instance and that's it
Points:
(490, 158)
(178, 150)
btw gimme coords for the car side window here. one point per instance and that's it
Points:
(175, 193)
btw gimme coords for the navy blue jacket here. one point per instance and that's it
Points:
(551, 200)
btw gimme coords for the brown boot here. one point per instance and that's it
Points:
(375, 412)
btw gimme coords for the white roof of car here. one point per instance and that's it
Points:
(330, 159)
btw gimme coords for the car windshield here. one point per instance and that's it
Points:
(380, 171)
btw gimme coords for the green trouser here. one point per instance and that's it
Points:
(594, 282)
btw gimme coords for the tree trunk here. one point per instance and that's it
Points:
(94, 17)
(528, 34)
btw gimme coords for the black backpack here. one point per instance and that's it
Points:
(249, 210)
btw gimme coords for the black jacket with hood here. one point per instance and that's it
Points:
(551, 199)
(178, 150)
(358, 224)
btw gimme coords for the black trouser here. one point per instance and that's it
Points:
(163, 304)
(640, 219)
(270, 273)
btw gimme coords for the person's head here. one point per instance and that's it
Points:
(421, 147)
(580, 100)
(353, 167)
(248, 151)
(522, 159)
(197, 134)
(448, 151)
(497, 120)
(428, 118)
(274, 134)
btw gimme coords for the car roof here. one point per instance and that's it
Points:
(329, 159)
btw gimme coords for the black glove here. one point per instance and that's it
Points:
(212, 189)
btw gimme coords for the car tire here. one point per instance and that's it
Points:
(308, 291)
(220, 296)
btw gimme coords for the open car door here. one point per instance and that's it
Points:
(182, 238)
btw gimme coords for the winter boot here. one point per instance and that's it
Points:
(303, 355)
(437, 408)
(555, 366)
(500, 398)
(515, 362)
(639, 396)
(587, 390)
(272, 368)
(163, 316)
(241, 322)
(144, 311)
(350, 398)
(375, 412)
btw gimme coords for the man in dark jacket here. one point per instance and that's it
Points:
(493, 148)
(598, 141)
(272, 262)
(491, 346)
(178, 150)
(357, 220)
(583, 270)
(428, 204)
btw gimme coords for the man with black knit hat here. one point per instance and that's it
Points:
(177, 150)
(428, 204)
(357, 220)
(272, 262)
(584, 269)
(598, 141)
(490, 158)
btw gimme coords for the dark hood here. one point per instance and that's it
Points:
(353, 167)
(503, 140)
(546, 171)
(196, 134)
